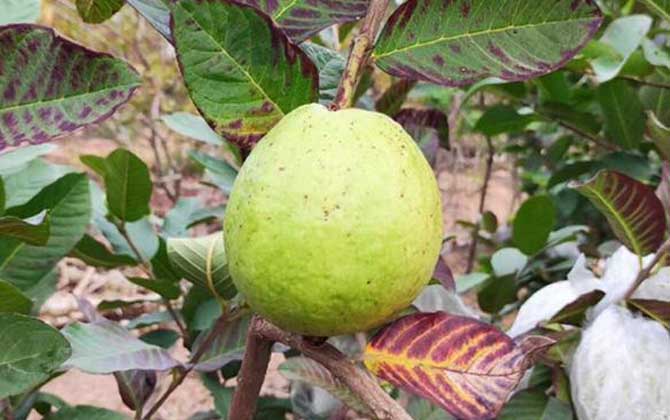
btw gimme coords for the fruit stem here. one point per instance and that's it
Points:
(361, 48)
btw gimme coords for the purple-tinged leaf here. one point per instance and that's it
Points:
(467, 367)
(658, 310)
(574, 312)
(457, 43)
(393, 98)
(98, 11)
(443, 274)
(135, 386)
(427, 118)
(243, 79)
(301, 19)
(104, 347)
(632, 209)
(33, 231)
(226, 347)
(50, 86)
(303, 369)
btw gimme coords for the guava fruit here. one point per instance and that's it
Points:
(334, 223)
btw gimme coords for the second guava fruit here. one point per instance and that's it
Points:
(334, 223)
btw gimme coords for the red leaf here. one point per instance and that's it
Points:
(467, 367)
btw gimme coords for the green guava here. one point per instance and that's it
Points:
(334, 223)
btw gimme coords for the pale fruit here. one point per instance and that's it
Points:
(334, 223)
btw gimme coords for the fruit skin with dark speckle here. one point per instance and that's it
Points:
(334, 223)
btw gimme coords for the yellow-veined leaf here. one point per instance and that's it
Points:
(467, 367)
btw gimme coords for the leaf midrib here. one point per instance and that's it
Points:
(660, 10)
(69, 97)
(618, 218)
(242, 69)
(475, 34)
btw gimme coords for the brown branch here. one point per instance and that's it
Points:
(181, 374)
(252, 373)
(359, 54)
(356, 379)
(482, 202)
(646, 272)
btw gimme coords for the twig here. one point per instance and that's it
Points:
(381, 405)
(359, 55)
(482, 202)
(252, 373)
(180, 325)
(180, 375)
(146, 267)
(645, 272)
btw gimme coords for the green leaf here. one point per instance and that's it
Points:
(660, 134)
(41, 100)
(656, 99)
(655, 54)
(3, 197)
(69, 203)
(330, 65)
(489, 222)
(141, 232)
(242, 81)
(96, 254)
(459, 43)
(96, 163)
(502, 119)
(659, 7)
(496, 293)
(507, 261)
(128, 185)
(632, 209)
(12, 300)
(33, 231)
(394, 97)
(164, 288)
(98, 11)
(32, 351)
(301, 19)
(29, 180)
(619, 41)
(187, 213)
(157, 13)
(470, 281)
(203, 262)
(192, 126)
(162, 338)
(218, 171)
(623, 112)
(307, 370)
(533, 223)
(16, 160)
(19, 11)
(85, 412)
(535, 405)
(104, 347)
